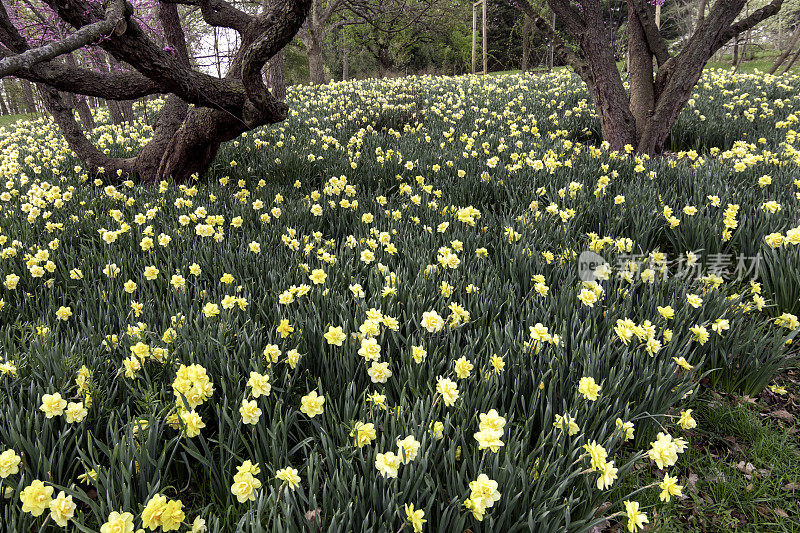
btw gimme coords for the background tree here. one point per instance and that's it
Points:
(643, 118)
(185, 140)
(405, 35)
(325, 17)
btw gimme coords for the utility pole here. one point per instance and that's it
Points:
(552, 46)
(485, 43)
(474, 35)
(482, 3)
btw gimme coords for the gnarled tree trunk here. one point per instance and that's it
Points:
(644, 118)
(608, 93)
(184, 141)
(640, 72)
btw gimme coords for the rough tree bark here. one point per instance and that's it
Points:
(275, 73)
(643, 119)
(527, 28)
(185, 140)
(640, 69)
(316, 62)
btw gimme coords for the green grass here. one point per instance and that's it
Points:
(741, 472)
(749, 67)
(761, 60)
(6, 120)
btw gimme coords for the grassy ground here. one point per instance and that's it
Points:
(761, 61)
(749, 67)
(743, 472)
(5, 120)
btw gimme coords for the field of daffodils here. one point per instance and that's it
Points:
(420, 304)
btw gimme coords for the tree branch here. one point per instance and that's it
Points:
(332, 6)
(73, 134)
(748, 22)
(277, 28)
(114, 21)
(167, 71)
(568, 15)
(173, 31)
(218, 13)
(9, 35)
(111, 86)
(221, 13)
(655, 42)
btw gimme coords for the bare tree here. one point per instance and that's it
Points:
(644, 119)
(390, 28)
(792, 43)
(527, 28)
(185, 141)
(317, 27)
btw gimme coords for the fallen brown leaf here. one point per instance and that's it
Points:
(746, 468)
(764, 511)
(783, 414)
(691, 483)
(748, 399)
